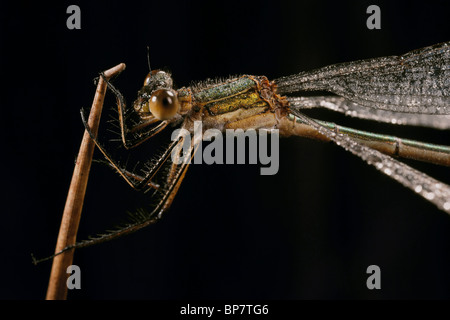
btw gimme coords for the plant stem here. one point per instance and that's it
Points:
(57, 287)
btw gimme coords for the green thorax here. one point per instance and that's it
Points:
(233, 94)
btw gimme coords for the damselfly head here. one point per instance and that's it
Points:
(157, 98)
(157, 79)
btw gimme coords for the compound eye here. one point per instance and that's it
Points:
(149, 76)
(147, 79)
(164, 104)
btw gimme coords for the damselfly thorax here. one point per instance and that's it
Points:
(249, 102)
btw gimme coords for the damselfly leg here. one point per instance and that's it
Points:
(135, 128)
(143, 217)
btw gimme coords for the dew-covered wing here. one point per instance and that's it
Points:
(416, 82)
(349, 108)
(429, 188)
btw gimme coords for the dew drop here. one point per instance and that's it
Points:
(418, 188)
(447, 206)
(429, 195)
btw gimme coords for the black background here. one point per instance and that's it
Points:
(308, 232)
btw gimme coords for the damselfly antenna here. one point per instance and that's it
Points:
(148, 59)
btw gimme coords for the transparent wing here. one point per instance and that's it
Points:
(417, 82)
(352, 109)
(431, 189)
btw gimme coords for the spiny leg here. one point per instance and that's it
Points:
(139, 131)
(129, 174)
(135, 181)
(126, 175)
(173, 176)
(141, 218)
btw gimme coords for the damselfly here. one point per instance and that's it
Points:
(412, 89)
